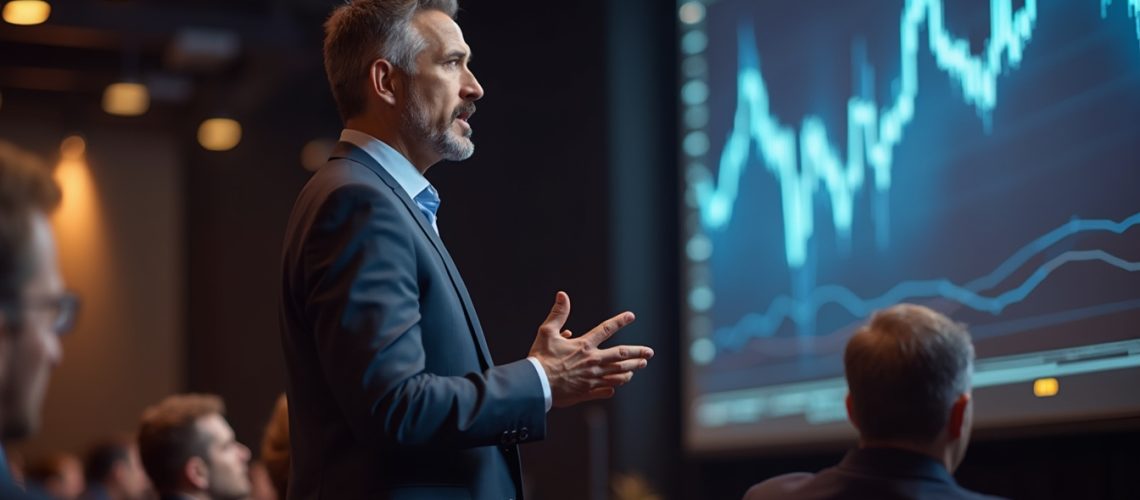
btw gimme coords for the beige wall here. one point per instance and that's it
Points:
(120, 233)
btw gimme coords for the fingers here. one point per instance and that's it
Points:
(608, 328)
(629, 365)
(558, 314)
(567, 334)
(623, 352)
(617, 379)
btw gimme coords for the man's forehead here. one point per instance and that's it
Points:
(440, 31)
(216, 427)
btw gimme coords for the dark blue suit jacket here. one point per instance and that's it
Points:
(869, 473)
(392, 391)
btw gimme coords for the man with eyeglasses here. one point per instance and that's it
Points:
(34, 307)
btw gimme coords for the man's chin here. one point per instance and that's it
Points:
(458, 149)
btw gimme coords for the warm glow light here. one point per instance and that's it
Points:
(316, 153)
(1045, 387)
(78, 219)
(219, 134)
(27, 12)
(126, 99)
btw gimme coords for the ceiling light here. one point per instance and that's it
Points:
(27, 12)
(219, 134)
(126, 99)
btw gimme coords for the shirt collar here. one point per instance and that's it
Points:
(389, 159)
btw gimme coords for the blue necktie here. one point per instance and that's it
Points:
(428, 202)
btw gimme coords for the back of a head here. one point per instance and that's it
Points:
(26, 187)
(169, 436)
(361, 31)
(904, 370)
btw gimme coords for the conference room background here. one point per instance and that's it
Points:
(749, 177)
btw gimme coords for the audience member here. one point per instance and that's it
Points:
(34, 306)
(114, 471)
(189, 451)
(908, 379)
(59, 476)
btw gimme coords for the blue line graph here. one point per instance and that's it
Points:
(1044, 242)
(981, 159)
(871, 134)
(785, 307)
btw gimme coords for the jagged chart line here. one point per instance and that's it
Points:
(755, 326)
(871, 135)
(871, 138)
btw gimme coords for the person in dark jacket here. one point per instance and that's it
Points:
(908, 378)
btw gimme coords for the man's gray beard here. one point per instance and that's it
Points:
(418, 124)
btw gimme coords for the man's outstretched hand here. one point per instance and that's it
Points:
(576, 368)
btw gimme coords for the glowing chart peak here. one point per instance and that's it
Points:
(807, 161)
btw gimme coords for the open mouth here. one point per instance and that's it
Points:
(465, 114)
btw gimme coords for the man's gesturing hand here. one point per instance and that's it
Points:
(577, 369)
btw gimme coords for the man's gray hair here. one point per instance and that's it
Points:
(905, 369)
(362, 31)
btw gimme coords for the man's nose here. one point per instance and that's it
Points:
(471, 90)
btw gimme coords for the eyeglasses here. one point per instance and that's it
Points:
(62, 308)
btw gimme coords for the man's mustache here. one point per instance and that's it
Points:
(464, 109)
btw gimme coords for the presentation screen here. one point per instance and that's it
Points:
(837, 157)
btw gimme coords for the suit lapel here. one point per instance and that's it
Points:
(350, 152)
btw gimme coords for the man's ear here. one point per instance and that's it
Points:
(382, 80)
(850, 414)
(956, 426)
(196, 472)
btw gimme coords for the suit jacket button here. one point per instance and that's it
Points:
(524, 434)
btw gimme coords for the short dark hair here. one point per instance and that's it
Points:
(361, 31)
(102, 456)
(169, 436)
(904, 370)
(26, 187)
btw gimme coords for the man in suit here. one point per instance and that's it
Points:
(392, 390)
(189, 451)
(908, 378)
(35, 309)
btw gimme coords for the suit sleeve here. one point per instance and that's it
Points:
(362, 295)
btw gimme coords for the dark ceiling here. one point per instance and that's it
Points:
(194, 55)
